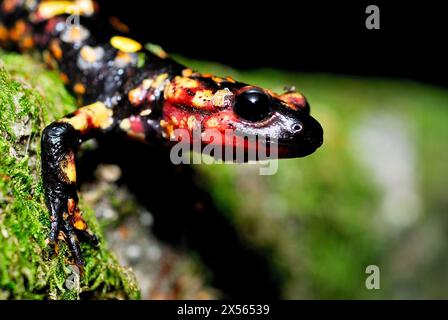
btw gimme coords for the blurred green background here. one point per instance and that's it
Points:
(373, 194)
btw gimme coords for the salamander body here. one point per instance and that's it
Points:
(143, 94)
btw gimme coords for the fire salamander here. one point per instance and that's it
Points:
(142, 94)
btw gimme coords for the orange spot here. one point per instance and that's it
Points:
(17, 31)
(78, 221)
(64, 78)
(27, 43)
(95, 115)
(118, 25)
(136, 96)
(3, 33)
(123, 59)
(187, 72)
(168, 128)
(80, 224)
(217, 79)
(9, 5)
(294, 100)
(79, 88)
(56, 49)
(49, 60)
(157, 50)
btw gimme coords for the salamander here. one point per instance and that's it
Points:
(142, 94)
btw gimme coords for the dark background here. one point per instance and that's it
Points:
(312, 36)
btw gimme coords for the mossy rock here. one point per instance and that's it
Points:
(30, 98)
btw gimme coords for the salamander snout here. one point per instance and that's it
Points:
(284, 118)
(304, 137)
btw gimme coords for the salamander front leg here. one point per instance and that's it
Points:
(60, 142)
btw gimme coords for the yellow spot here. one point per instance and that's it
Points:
(230, 79)
(202, 98)
(89, 54)
(159, 81)
(186, 83)
(191, 122)
(213, 122)
(69, 168)
(56, 49)
(147, 83)
(168, 129)
(50, 9)
(125, 44)
(187, 72)
(125, 125)
(221, 96)
(123, 59)
(174, 120)
(97, 114)
(146, 112)
(75, 34)
(136, 95)
(171, 91)
(86, 7)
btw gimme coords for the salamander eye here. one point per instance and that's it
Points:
(252, 105)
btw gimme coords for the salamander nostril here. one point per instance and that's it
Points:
(297, 128)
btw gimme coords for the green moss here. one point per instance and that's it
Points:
(30, 98)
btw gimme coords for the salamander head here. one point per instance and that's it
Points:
(207, 102)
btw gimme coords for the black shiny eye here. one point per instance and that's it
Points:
(252, 105)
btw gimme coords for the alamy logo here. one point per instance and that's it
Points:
(73, 20)
(373, 280)
(373, 18)
(212, 146)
